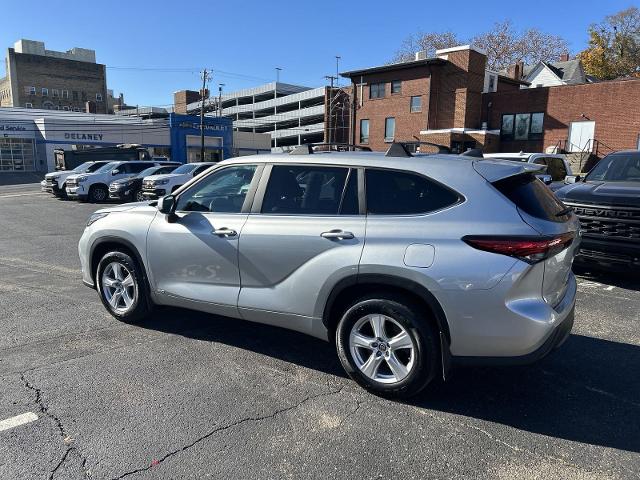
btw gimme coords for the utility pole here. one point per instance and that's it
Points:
(220, 85)
(202, 95)
(331, 78)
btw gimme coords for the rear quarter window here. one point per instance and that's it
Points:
(390, 192)
(533, 197)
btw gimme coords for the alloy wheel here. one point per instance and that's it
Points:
(382, 349)
(119, 287)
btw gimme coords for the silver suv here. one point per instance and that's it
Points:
(409, 263)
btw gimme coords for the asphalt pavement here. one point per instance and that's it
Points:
(190, 395)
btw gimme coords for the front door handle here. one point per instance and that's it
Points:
(337, 234)
(225, 232)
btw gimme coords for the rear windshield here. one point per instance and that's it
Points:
(533, 197)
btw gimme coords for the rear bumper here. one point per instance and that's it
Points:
(609, 254)
(556, 338)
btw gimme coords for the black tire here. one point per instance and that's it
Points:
(142, 305)
(137, 196)
(410, 317)
(98, 193)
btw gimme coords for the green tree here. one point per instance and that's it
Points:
(614, 46)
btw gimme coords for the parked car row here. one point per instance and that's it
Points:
(132, 180)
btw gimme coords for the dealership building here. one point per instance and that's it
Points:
(28, 137)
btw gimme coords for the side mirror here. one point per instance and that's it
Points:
(546, 179)
(167, 205)
(115, 172)
(572, 179)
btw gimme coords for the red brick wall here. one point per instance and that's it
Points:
(415, 81)
(613, 105)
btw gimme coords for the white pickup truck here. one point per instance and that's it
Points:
(55, 182)
(156, 186)
(94, 187)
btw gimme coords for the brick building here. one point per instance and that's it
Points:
(592, 118)
(51, 80)
(429, 99)
(453, 100)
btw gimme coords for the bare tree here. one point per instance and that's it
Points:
(506, 46)
(427, 42)
(503, 44)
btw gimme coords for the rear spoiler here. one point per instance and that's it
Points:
(494, 170)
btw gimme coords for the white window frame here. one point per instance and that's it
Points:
(98, 97)
(389, 138)
(55, 92)
(415, 110)
(65, 93)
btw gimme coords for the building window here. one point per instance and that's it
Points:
(30, 90)
(522, 126)
(416, 104)
(74, 94)
(84, 96)
(55, 92)
(45, 92)
(98, 97)
(65, 93)
(364, 131)
(389, 129)
(28, 105)
(376, 90)
(396, 87)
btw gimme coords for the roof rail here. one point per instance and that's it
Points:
(399, 149)
(473, 152)
(309, 148)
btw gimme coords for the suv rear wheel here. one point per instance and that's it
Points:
(98, 193)
(122, 288)
(138, 196)
(386, 345)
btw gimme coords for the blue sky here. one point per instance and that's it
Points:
(246, 40)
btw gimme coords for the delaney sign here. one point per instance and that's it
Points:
(83, 136)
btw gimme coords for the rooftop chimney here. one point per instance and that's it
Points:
(564, 57)
(422, 55)
(516, 71)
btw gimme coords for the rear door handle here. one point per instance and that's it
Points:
(337, 234)
(225, 232)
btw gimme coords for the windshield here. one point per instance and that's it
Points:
(619, 167)
(107, 167)
(186, 168)
(83, 167)
(149, 171)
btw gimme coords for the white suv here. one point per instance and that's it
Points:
(156, 186)
(94, 187)
(55, 182)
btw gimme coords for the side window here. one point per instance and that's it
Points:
(306, 190)
(200, 169)
(399, 193)
(556, 168)
(135, 167)
(222, 191)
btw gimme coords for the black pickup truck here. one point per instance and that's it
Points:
(607, 202)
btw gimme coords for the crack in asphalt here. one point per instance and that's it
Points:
(227, 427)
(59, 425)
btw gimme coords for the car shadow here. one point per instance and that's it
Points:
(586, 391)
(626, 280)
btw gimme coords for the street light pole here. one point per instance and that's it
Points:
(202, 95)
(220, 85)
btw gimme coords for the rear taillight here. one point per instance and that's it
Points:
(528, 249)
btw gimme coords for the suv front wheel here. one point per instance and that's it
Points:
(122, 287)
(387, 346)
(98, 193)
